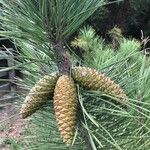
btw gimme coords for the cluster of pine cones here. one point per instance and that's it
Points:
(63, 91)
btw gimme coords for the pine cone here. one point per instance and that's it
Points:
(38, 95)
(65, 105)
(90, 79)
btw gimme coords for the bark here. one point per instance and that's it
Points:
(63, 60)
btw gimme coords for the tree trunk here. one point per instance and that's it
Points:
(63, 60)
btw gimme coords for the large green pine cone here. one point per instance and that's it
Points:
(38, 95)
(65, 106)
(91, 79)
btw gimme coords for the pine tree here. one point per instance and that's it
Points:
(41, 31)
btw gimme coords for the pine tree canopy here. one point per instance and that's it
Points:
(48, 40)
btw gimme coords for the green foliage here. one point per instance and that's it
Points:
(102, 124)
(32, 25)
(43, 18)
(92, 45)
(111, 126)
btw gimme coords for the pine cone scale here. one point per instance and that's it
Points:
(90, 79)
(65, 106)
(38, 95)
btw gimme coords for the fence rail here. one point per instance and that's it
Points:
(4, 62)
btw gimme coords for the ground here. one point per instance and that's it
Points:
(10, 123)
